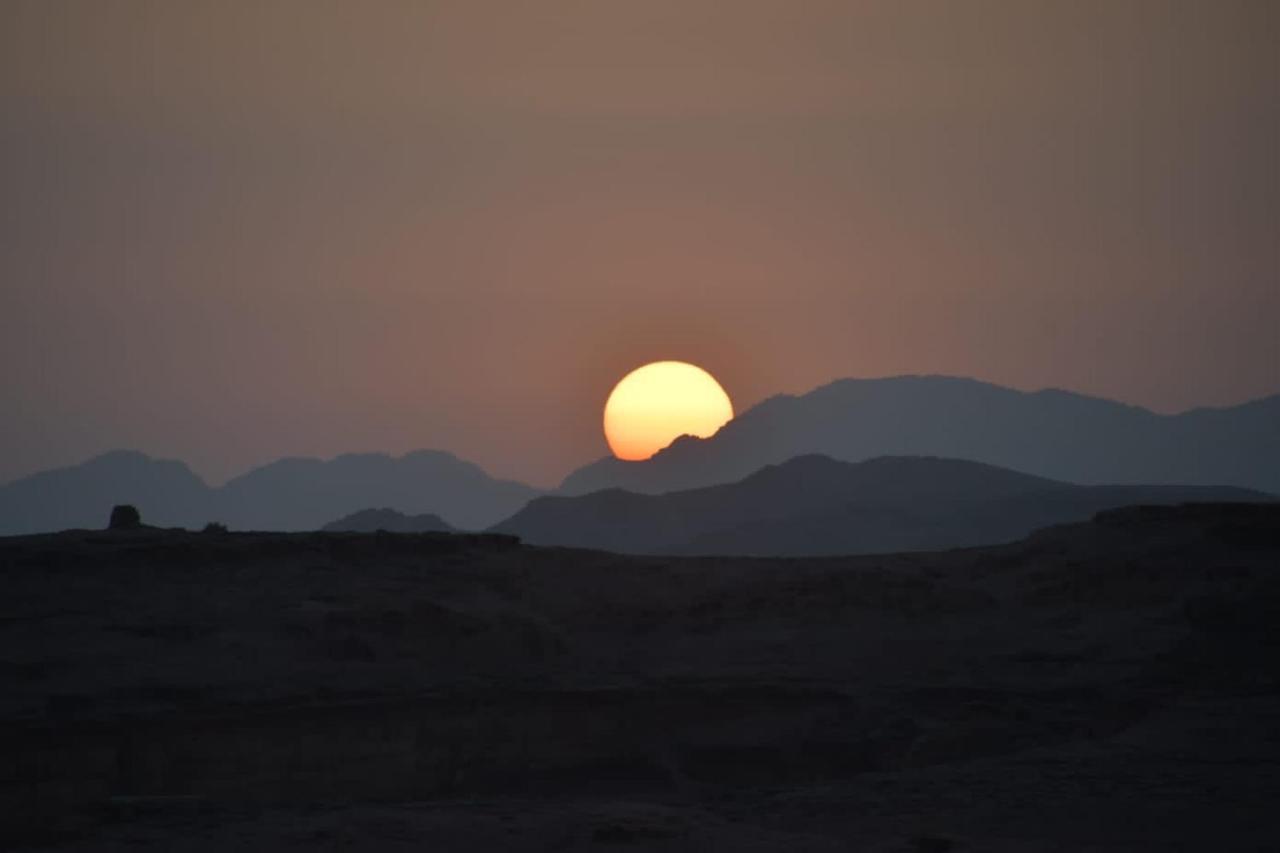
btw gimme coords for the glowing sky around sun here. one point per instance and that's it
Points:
(240, 231)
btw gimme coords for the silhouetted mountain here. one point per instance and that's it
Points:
(814, 505)
(1053, 434)
(291, 494)
(303, 494)
(166, 493)
(374, 520)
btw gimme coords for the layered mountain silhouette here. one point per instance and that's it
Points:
(304, 494)
(389, 520)
(290, 494)
(166, 492)
(1051, 434)
(815, 505)
(1054, 434)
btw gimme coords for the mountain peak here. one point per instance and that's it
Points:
(1052, 433)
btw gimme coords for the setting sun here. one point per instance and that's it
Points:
(655, 404)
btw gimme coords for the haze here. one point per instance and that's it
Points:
(233, 232)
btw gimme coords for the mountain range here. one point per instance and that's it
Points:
(815, 505)
(1051, 434)
(290, 494)
(1055, 434)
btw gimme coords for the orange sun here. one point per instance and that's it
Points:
(655, 404)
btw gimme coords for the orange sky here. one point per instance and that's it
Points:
(239, 231)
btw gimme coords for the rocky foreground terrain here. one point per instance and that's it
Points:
(1105, 686)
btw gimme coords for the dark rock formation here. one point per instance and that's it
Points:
(124, 517)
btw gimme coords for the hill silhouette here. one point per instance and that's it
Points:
(166, 493)
(1051, 433)
(389, 520)
(289, 494)
(305, 494)
(815, 505)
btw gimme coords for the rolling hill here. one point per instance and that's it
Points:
(289, 494)
(305, 494)
(815, 505)
(167, 493)
(390, 521)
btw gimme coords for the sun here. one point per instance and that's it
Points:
(656, 404)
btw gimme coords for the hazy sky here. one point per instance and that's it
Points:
(239, 230)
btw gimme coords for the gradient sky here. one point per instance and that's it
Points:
(238, 230)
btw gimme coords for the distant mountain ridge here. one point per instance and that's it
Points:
(289, 494)
(304, 494)
(1056, 434)
(166, 491)
(815, 505)
(390, 521)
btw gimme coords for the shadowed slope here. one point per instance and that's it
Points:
(816, 505)
(1050, 433)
